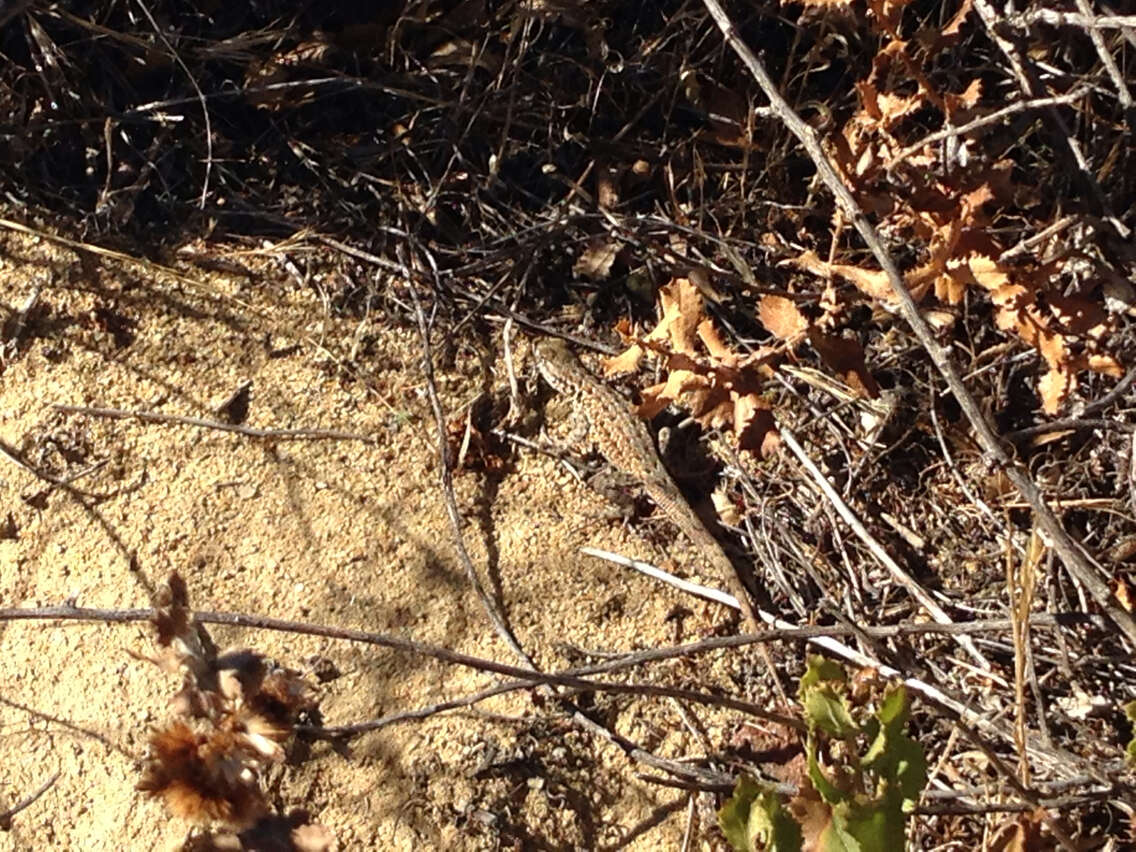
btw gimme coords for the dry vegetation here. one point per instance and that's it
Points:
(884, 261)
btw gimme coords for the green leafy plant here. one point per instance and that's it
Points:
(864, 776)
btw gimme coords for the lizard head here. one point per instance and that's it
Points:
(555, 361)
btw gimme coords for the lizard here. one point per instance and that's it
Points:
(623, 439)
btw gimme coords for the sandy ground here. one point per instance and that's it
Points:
(343, 533)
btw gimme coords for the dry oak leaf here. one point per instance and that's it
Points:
(1020, 834)
(1054, 388)
(596, 260)
(754, 425)
(949, 289)
(888, 11)
(1078, 315)
(843, 5)
(720, 351)
(954, 25)
(873, 282)
(782, 318)
(714, 401)
(978, 269)
(966, 100)
(845, 358)
(682, 312)
(893, 108)
(1061, 380)
(627, 361)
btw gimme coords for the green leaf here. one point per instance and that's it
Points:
(753, 819)
(876, 826)
(836, 837)
(827, 790)
(894, 709)
(733, 816)
(819, 670)
(894, 756)
(773, 826)
(829, 711)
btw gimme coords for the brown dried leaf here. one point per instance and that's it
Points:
(652, 403)
(888, 11)
(894, 108)
(1078, 315)
(682, 312)
(782, 318)
(607, 187)
(949, 289)
(870, 281)
(978, 269)
(939, 319)
(596, 260)
(240, 673)
(171, 619)
(845, 358)
(1105, 364)
(712, 408)
(283, 697)
(627, 361)
(1021, 833)
(717, 347)
(813, 814)
(966, 100)
(1124, 593)
(1054, 388)
(954, 25)
(754, 426)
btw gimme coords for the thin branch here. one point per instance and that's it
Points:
(1122, 93)
(877, 549)
(447, 481)
(200, 98)
(6, 816)
(1072, 424)
(1029, 84)
(523, 677)
(1072, 19)
(985, 121)
(247, 431)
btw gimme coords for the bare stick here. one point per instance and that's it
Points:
(986, 120)
(696, 589)
(877, 549)
(1072, 19)
(1122, 93)
(823, 638)
(447, 481)
(524, 677)
(247, 431)
(6, 816)
(950, 628)
(1076, 561)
